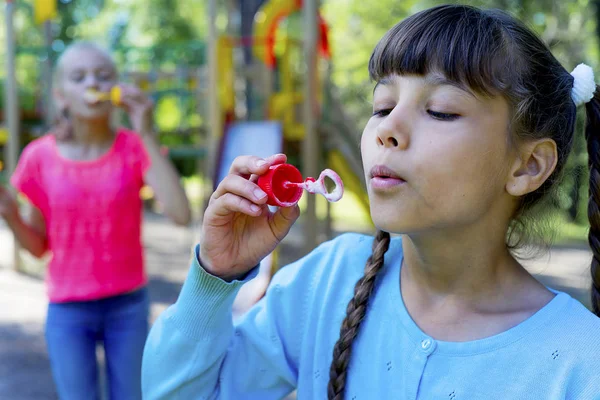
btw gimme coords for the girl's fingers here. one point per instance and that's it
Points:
(131, 95)
(241, 187)
(283, 219)
(277, 159)
(245, 166)
(130, 91)
(230, 203)
(129, 101)
(241, 183)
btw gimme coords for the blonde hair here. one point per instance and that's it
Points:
(78, 46)
(59, 116)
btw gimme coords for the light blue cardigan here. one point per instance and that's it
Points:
(285, 342)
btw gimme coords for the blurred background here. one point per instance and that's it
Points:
(162, 46)
(243, 76)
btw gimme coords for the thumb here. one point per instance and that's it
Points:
(283, 219)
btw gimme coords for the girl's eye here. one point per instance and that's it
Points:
(77, 77)
(382, 113)
(105, 76)
(442, 116)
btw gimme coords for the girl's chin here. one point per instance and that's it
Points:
(397, 223)
(91, 114)
(391, 226)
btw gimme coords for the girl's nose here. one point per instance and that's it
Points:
(392, 132)
(91, 81)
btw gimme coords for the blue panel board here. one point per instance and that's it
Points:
(257, 138)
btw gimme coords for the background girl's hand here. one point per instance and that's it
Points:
(9, 208)
(238, 229)
(139, 106)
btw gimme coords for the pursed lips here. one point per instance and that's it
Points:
(383, 177)
(382, 171)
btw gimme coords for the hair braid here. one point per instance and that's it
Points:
(355, 312)
(592, 135)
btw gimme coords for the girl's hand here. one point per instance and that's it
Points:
(139, 107)
(9, 208)
(238, 229)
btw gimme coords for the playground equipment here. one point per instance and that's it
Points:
(279, 90)
(271, 85)
(11, 107)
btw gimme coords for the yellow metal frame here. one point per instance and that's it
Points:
(225, 74)
(44, 10)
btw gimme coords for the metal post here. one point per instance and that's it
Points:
(47, 75)
(11, 109)
(214, 112)
(310, 149)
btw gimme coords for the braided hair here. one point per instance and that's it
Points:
(593, 144)
(355, 312)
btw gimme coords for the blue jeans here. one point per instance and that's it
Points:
(74, 329)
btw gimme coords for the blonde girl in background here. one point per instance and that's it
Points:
(82, 181)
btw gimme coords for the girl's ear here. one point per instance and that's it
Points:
(535, 163)
(59, 99)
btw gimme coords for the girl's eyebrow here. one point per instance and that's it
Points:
(105, 70)
(440, 80)
(105, 66)
(385, 81)
(100, 69)
(431, 79)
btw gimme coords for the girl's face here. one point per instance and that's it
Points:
(81, 70)
(435, 156)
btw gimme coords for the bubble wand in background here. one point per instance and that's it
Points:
(284, 185)
(95, 96)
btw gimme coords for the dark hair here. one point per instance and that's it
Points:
(593, 141)
(491, 54)
(355, 312)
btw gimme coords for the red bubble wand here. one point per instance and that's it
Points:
(284, 185)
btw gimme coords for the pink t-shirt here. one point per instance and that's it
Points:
(93, 215)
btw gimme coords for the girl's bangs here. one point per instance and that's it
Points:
(466, 48)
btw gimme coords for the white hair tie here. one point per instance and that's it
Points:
(583, 84)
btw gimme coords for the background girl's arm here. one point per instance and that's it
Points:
(30, 230)
(254, 290)
(166, 184)
(161, 176)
